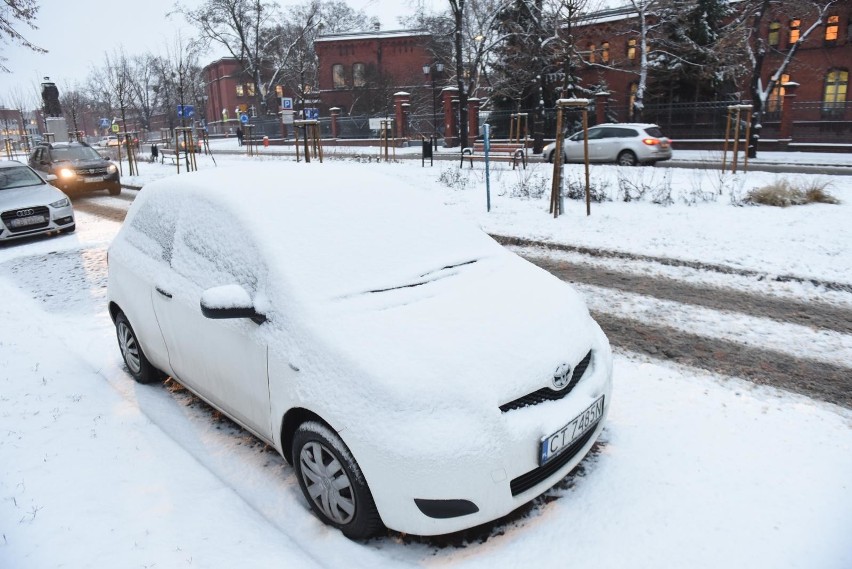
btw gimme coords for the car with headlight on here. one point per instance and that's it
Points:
(29, 205)
(416, 374)
(625, 144)
(77, 166)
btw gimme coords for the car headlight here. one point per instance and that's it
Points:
(112, 169)
(60, 203)
(67, 173)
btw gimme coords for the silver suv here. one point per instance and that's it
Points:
(626, 144)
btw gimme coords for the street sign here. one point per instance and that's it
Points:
(186, 111)
(287, 103)
(244, 118)
(103, 123)
(287, 117)
(115, 128)
(376, 124)
(311, 114)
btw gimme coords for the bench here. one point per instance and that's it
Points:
(514, 152)
(167, 153)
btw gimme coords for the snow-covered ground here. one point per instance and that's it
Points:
(694, 470)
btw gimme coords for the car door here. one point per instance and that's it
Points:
(224, 361)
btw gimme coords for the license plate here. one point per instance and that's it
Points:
(24, 221)
(95, 179)
(562, 439)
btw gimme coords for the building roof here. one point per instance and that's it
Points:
(349, 36)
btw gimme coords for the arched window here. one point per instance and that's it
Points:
(359, 74)
(795, 31)
(631, 50)
(774, 37)
(338, 76)
(776, 96)
(591, 50)
(605, 52)
(832, 27)
(834, 95)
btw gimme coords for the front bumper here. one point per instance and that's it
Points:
(80, 184)
(495, 478)
(58, 219)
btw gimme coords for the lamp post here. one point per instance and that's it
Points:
(431, 71)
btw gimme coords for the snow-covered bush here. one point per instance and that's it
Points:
(574, 185)
(454, 177)
(783, 193)
(529, 185)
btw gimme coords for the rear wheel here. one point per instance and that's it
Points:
(332, 482)
(134, 358)
(626, 158)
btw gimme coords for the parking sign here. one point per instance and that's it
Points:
(286, 103)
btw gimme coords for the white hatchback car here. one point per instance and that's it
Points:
(414, 372)
(626, 144)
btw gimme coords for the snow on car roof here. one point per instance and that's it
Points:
(333, 233)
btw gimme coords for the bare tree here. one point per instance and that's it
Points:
(12, 13)
(75, 103)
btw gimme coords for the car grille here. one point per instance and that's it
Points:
(8, 216)
(534, 477)
(91, 171)
(548, 394)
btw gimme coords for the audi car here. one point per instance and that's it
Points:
(77, 166)
(625, 144)
(416, 375)
(29, 205)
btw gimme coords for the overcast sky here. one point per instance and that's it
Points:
(77, 33)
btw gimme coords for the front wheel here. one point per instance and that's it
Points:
(114, 191)
(626, 158)
(332, 482)
(134, 358)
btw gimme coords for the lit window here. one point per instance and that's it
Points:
(832, 26)
(631, 50)
(279, 91)
(795, 26)
(774, 34)
(359, 74)
(250, 89)
(338, 78)
(776, 96)
(240, 91)
(605, 52)
(591, 53)
(836, 84)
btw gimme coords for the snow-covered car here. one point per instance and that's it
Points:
(414, 372)
(626, 144)
(29, 205)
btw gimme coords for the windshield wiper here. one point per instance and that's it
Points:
(424, 275)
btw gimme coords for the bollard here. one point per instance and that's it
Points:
(266, 142)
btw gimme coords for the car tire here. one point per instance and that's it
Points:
(322, 462)
(626, 158)
(549, 157)
(115, 191)
(134, 358)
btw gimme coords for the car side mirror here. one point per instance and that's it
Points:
(229, 301)
(50, 177)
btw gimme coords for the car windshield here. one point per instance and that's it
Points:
(74, 153)
(18, 177)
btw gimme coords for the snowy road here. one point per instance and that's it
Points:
(694, 469)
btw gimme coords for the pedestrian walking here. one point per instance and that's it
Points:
(239, 136)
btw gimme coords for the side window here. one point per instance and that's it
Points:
(211, 250)
(624, 133)
(152, 229)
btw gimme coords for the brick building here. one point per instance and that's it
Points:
(360, 72)
(821, 111)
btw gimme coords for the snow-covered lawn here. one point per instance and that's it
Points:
(694, 470)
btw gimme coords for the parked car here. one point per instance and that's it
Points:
(626, 144)
(29, 205)
(77, 167)
(414, 372)
(108, 141)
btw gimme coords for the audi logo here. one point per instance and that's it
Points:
(25, 212)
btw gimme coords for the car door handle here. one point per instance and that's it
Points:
(164, 293)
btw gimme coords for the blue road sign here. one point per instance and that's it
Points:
(104, 123)
(287, 103)
(185, 111)
(244, 118)
(312, 114)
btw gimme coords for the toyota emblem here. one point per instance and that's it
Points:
(24, 212)
(562, 376)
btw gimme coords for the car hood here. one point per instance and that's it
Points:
(29, 196)
(87, 163)
(477, 335)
